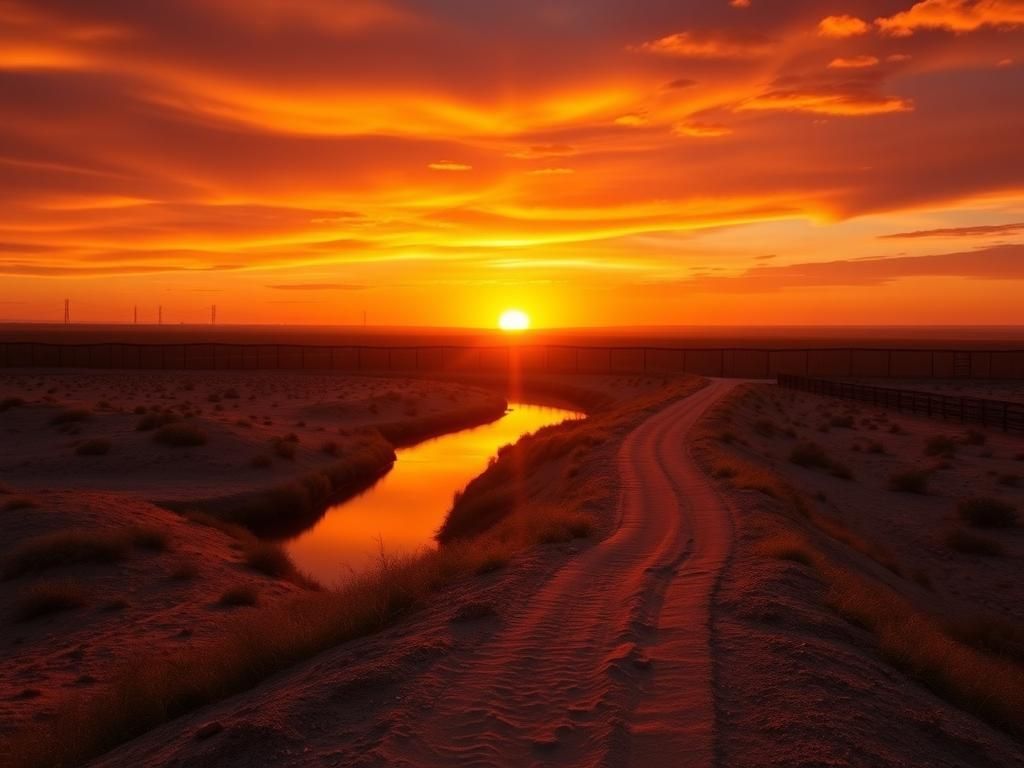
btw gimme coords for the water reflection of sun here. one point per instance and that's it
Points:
(513, 320)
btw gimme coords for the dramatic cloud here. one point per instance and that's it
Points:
(853, 62)
(842, 26)
(688, 45)
(257, 147)
(954, 16)
(827, 103)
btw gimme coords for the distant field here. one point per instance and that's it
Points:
(691, 337)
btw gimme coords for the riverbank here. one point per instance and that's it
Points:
(304, 625)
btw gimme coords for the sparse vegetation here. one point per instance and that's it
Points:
(968, 543)
(70, 416)
(155, 420)
(271, 560)
(940, 445)
(48, 597)
(180, 436)
(99, 446)
(987, 513)
(152, 539)
(975, 437)
(18, 502)
(62, 548)
(284, 448)
(810, 455)
(813, 456)
(240, 596)
(909, 481)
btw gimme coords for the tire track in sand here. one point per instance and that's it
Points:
(610, 664)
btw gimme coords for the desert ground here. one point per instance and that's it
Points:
(700, 573)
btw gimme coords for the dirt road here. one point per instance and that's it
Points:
(610, 665)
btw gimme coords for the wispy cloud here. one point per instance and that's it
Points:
(978, 231)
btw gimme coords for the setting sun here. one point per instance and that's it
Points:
(514, 320)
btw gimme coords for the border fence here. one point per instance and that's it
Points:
(754, 363)
(1000, 414)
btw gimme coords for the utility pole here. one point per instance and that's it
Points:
(160, 315)
(213, 314)
(67, 311)
(364, 318)
(135, 319)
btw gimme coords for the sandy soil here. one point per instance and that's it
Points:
(241, 414)
(795, 683)
(168, 598)
(163, 599)
(674, 639)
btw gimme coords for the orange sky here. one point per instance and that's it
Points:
(596, 162)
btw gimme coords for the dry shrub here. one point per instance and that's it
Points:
(989, 687)
(968, 543)
(48, 597)
(987, 513)
(18, 502)
(941, 445)
(61, 548)
(10, 402)
(180, 436)
(910, 481)
(810, 455)
(270, 559)
(99, 446)
(152, 421)
(284, 449)
(787, 545)
(70, 416)
(257, 644)
(989, 633)
(145, 537)
(244, 595)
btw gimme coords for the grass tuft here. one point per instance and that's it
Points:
(910, 481)
(968, 543)
(99, 446)
(70, 416)
(941, 445)
(180, 436)
(270, 559)
(18, 502)
(241, 596)
(152, 539)
(61, 548)
(48, 597)
(987, 513)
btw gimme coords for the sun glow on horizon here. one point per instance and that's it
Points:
(514, 321)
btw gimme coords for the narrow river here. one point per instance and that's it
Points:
(404, 510)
